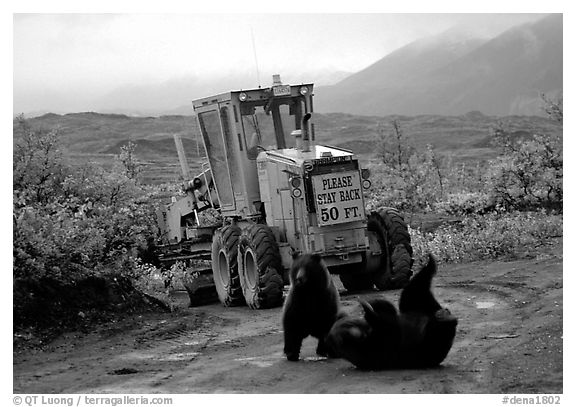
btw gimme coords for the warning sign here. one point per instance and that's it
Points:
(338, 198)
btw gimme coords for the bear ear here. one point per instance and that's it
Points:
(368, 309)
(369, 314)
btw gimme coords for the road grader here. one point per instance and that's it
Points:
(278, 194)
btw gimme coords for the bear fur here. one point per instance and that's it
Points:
(311, 307)
(419, 335)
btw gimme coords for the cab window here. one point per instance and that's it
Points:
(212, 135)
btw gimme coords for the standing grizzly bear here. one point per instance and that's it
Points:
(311, 307)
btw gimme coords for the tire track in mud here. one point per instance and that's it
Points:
(217, 348)
(187, 341)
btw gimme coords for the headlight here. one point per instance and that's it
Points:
(366, 184)
(242, 96)
(365, 173)
(196, 183)
(295, 182)
(304, 90)
(296, 193)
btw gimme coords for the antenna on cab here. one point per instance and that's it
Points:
(255, 55)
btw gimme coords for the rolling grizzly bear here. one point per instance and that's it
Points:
(419, 335)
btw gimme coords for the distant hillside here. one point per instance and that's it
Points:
(466, 137)
(95, 133)
(102, 135)
(161, 148)
(451, 74)
(97, 138)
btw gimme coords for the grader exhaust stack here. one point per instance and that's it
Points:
(305, 133)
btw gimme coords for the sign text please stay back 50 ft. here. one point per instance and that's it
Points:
(338, 197)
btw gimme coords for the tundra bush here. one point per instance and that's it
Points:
(38, 168)
(491, 236)
(465, 203)
(414, 180)
(70, 224)
(415, 186)
(529, 173)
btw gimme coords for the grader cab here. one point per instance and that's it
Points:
(279, 194)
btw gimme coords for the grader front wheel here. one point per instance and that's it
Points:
(225, 265)
(260, 267)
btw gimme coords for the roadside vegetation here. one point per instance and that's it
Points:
(84, 236)
(501, 208)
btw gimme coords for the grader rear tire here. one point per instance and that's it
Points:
(260, 267)
(397, 228)
(225, 266)
(401, 267)
(392, 233)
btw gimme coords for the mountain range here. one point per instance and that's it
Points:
(451, 73)
(454, 73)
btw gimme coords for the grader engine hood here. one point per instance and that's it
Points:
(331, 182)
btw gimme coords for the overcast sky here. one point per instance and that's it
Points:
(89, 55)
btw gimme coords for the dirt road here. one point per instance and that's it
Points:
(509, 340)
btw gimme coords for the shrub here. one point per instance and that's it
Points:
(70, 225)
(413, 180)
(37, 165)
(82, 232)
(490, 236)
(465, 203)
(529, 173)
